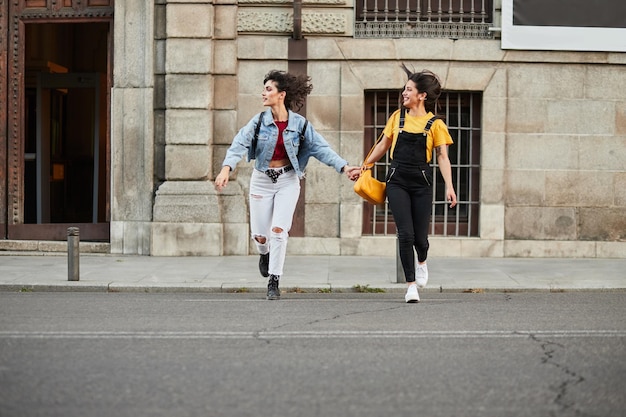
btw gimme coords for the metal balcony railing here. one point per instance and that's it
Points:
(454, 19)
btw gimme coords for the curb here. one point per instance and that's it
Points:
(229, 289)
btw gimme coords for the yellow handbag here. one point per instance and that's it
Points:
(368, 187)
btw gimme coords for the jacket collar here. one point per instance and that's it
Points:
(292, 123)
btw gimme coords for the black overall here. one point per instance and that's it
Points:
(410, 195)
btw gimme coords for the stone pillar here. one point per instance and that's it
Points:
(200, 92)
(132, 127)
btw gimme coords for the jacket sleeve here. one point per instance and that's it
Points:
(241, 144)
(319, 148)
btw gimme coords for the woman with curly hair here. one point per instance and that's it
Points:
(281, 143)
(412, 133)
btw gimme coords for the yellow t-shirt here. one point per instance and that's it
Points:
(437, 135)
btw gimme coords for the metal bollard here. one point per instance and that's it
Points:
(399, 270)
(73, 239)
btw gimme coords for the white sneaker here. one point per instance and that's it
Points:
(412, 296)
(421, 275)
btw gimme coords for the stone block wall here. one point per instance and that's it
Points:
(566, 151)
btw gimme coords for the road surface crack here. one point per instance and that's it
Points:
(259, 333)
(355, 313)
(569, 377)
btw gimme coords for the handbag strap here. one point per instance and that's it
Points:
(368, 166)
(252, 151)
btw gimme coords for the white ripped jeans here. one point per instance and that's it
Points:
(271, 214)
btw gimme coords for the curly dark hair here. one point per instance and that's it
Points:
(426, 82)
(296, 87)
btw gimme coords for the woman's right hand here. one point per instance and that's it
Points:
(222, 178)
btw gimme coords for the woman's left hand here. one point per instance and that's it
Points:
(352, 173)
(451, 196)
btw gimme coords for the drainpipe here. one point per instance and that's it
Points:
(297, 64)
(297, 49)
(297, 19)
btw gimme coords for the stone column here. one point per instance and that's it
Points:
(200, 91)
(132, 127)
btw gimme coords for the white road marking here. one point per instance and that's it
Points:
(373, 334)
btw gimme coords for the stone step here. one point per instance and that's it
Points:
(49, 246)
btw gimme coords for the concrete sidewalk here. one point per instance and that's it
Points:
(49, 272)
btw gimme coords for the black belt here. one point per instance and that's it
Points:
(274, 173)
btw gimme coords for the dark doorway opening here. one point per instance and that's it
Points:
(66, 151)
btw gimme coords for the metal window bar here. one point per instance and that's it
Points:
(439, 12)
(408, 11)
(383, 209)
(462, 115)
(375, 11)
(465, 170)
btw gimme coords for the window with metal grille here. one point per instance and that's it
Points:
(461, 112)
(423, 18)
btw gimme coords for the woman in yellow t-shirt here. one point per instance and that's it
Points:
(412, 133)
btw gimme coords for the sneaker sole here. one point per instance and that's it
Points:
(273, 297)
(413, 300)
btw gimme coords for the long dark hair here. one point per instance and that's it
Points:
(296, 87)
(426, 82)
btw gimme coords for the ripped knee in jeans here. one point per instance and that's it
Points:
(278, 233)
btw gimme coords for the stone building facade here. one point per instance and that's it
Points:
(187, 74)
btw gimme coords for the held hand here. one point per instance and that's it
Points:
(352, 172)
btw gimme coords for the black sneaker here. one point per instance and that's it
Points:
(273, 292)
(264, 264)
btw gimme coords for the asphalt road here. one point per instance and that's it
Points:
(494, 354)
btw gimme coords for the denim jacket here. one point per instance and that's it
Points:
(299, 152)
